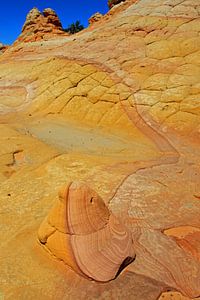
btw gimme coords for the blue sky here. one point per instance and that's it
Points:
(13, 13)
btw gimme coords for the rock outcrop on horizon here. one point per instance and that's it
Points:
(116, 107)
(3, 48)
(95, 18)
(39, 26)
(112, 3)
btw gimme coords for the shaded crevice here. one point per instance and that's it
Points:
(127, 261)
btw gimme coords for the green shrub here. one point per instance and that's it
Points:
(74, 27)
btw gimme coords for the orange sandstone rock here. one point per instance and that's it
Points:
(3, 48)
(188, 238)
(82, 232)
(95, 18)
(174, 296)
(123, 115)
(39, 26)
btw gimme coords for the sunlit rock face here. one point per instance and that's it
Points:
(95, 18)
(115, 107)
(81, 232)
(39, 26)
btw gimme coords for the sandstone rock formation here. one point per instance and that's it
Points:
(95, 18)
(187, 238)
(81, 231)
(112, 3)
(3, 48)
(39, 26)
(117, 107)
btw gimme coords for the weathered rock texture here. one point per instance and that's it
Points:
(3, 48)
(39, 26)
(82, 232)
(95, 18)
(117, 107)
(112, 3)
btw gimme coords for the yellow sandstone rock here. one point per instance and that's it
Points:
(117, 107)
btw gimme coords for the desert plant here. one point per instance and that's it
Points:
(74, 27)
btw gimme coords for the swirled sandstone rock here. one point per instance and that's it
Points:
(82, 232)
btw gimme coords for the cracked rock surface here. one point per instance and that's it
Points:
(117, 107)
